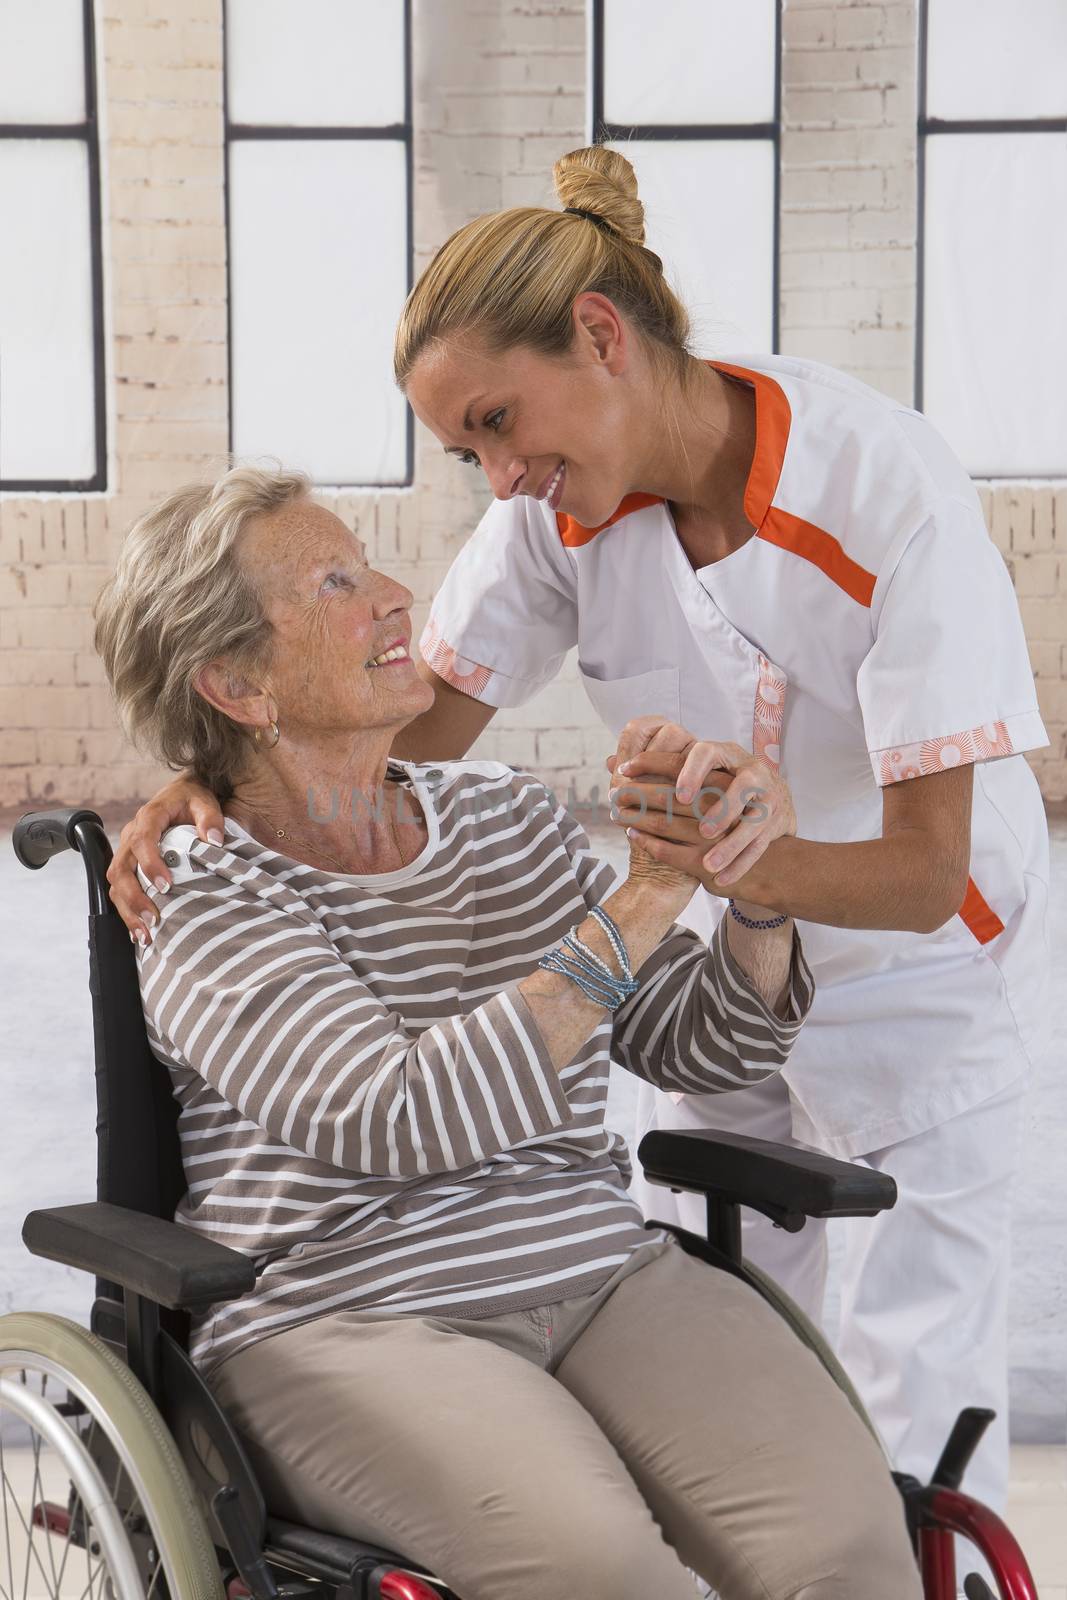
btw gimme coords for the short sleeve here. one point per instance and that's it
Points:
(947, 680)
(503, 620)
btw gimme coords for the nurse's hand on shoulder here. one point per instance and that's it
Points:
(184, 800)
(707, 807)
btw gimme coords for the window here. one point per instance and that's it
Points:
(52, 411)
(991, 321)
(318, 131)
(689, 91)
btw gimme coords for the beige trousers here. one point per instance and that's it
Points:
(588, 1450)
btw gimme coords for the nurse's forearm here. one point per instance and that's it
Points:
(448, 729)
(904, 881)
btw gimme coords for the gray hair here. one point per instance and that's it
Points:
(178, 600)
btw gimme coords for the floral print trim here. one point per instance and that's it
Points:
(769, 714)
(937, 755)
(462, 674)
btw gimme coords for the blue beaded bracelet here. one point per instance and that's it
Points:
(747, 922)
(585, 968)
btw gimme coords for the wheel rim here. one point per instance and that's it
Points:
(73, 1523)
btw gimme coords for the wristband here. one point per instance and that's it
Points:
(747, 922)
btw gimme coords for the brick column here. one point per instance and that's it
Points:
(848, 188)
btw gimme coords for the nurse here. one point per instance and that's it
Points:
(770, 568)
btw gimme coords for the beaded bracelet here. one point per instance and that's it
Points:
(747, 922)
(585, 968)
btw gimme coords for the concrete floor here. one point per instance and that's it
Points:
(46, 1124)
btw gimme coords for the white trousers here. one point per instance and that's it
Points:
(924, 1287)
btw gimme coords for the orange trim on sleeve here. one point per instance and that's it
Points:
(814, 544)
(469, 677)
(573, 534)
(979, 915)
(938, 755)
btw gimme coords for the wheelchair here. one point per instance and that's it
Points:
(134, 1482)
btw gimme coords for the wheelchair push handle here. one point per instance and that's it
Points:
(963, 1441)
(39, 835)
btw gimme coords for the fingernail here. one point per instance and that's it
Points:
(712, 862)
(709, 829)
(140, 936)
(162, 885)
(631, 833)
(214, 836)
(626, 766)
(613, 814)
(149, 919)
(684, 794)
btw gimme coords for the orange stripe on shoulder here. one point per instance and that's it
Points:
(979, 915)
(814, 544)
(574, 534)
(773, 422)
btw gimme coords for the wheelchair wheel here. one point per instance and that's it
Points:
(95, 1503)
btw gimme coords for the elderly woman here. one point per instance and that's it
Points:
(387, 997)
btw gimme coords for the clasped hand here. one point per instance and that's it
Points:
(706, 809)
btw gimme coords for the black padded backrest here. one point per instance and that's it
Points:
(138, 1155)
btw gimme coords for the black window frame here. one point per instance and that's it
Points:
(88, 133)
(928, 125)
(393, 133)
(617, 132)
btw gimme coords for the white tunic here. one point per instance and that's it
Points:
(867, 634)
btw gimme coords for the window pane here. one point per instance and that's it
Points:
(315, 63)
(46, 312)
(689, 61)
(318, 251)
(709, 214)
(995, 315)
(988, 59)
(42, 67)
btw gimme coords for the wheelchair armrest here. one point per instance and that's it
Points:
(147, 1255)
(784, 1183)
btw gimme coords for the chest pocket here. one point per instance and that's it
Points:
(617, 700)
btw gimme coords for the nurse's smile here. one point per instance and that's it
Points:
(552, 488)
(510, 414)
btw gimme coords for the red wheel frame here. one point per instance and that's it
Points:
(946, 1512)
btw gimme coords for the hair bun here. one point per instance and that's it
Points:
(602, 181)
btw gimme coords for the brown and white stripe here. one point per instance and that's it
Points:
(368, 1108)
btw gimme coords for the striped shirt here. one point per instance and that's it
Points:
(368, 1108)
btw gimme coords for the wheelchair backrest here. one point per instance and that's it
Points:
(138, 1155)
(138, 1160)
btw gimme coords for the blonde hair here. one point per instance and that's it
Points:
(179, 598)
(512, 277)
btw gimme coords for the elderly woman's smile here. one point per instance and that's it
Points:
(392, 655)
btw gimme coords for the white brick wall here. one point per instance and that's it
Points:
(848, 189)
(499, 94)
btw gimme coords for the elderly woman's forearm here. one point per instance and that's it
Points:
(699, 1024)
(643, 912)
(765, 955)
